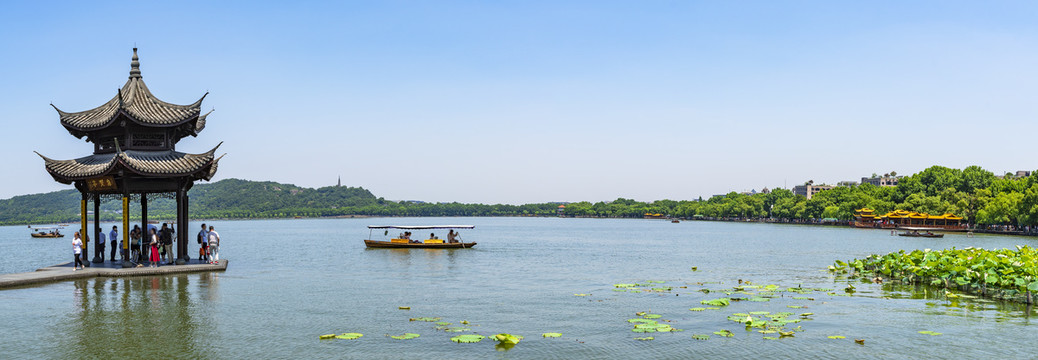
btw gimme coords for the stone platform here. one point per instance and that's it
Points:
(64, 272)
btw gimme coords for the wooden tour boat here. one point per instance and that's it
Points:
(915, 232)
(403, 240)
(46, 232)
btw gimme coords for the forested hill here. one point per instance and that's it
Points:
(230, 198)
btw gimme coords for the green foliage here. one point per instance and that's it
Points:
(1015, 270)
(973, 193)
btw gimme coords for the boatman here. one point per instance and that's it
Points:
(113, 237)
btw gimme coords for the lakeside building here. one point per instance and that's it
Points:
(810, 190)
(885, 180)
(867, 218)
(134, 136)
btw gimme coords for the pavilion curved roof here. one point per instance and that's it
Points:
(165, 163)
(136, 102)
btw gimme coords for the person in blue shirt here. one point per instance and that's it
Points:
(203, 239)
(101, 245)
(113, 237)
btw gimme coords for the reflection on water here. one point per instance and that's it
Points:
(138, 317)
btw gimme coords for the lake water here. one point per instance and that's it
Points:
(290, 281)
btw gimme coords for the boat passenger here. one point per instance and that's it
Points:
(452, 237)
(433, 236)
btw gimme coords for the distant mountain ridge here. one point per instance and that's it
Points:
(229, 198)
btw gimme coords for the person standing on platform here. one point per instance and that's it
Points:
(166, 237)
(135, 245)
(153, 245)
(203, 239)
(113, 239)
(214, 246)
(100, 251)
(77, 249)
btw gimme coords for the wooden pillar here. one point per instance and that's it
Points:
(126, 232)
(83, 229)
(97, 226)
(182, 226)
(145, 235)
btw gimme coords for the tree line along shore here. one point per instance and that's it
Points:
(979, 196)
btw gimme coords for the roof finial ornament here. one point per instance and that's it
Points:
(135, 65)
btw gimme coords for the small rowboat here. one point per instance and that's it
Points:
(405, 242)
(919, 234)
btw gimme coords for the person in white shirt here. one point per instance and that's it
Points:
(77, 249)
(214, 245)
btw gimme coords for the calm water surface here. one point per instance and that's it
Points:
(292, 280)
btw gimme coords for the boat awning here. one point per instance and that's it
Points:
(421, 227)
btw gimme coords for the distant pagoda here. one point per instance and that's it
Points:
(135, 136)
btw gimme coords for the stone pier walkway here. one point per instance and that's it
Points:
(63, 272)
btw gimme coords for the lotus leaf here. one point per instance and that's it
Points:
(442, 323)
(427, 319)
(713, 308)
(807, 314)
(580, 294)
(643, 330)
(467, 338)
(758, 299)
(795, 306)
(507, 338)
(624, 285)
(407, 336)
(350, 336)
(701, 337)
(725, 333)
(325, 337)
(716, 302)
(928, 332)
(697, 309)
(653, 316)
(551, 335)
(770, 338)
(647, 338)
(837, 337)
(642, 321)
(759, 312)
(785, 333)
(457, 329)
(404, 308)
(641, 313)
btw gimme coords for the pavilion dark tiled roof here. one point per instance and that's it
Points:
(137, 103)
(145, 163)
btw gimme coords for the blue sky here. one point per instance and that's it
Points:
(529, 101)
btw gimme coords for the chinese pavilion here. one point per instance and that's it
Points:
(135, 136)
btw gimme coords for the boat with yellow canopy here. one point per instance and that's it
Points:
(405, 239)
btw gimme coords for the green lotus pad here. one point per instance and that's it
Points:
(652, 316)
(641, 321)
(467, 338)
(759, 312)
(837, 337)
(426, 319)
(507, 338)
(624, 285)
(647, 338)
(697, 309)
(457, 329)
(724, 333)
(551, 335)
(407, 336)
(770, 338)
(716, 302)
(442, 323)
(928, 332)
(325, 337)
(580, 294)
(349, 336)
(701, 337)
